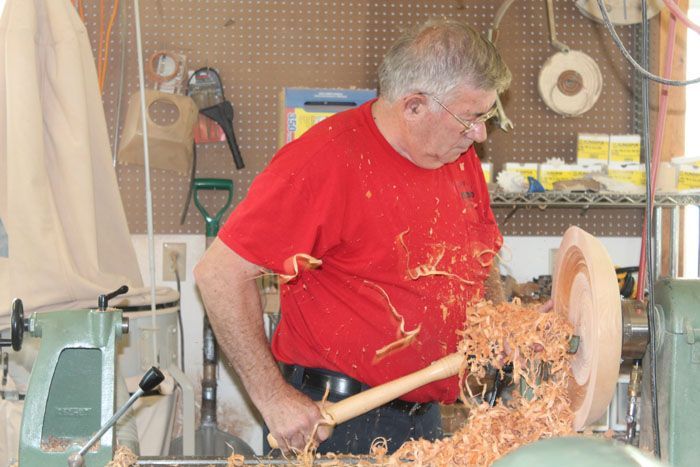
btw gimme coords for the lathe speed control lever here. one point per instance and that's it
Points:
(150, 381)
(102, 300)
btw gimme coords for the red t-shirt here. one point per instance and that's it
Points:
(342, 194)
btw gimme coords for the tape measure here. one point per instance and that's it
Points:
(163, 66)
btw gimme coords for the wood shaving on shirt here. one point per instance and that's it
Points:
(406, 337)
(299, 262)
(430, 268)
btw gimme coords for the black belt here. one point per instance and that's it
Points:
(343, 386)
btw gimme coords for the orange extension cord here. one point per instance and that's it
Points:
(102, 72)
(656, 154)
(100, 41)
(104, 37)
(78, 4)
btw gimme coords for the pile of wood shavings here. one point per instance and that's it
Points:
(235, 460)
(123, 457)
(496, 335)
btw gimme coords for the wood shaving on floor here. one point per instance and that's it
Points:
(123, 457)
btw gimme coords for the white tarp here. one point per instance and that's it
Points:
(10, 420)
(67, 235)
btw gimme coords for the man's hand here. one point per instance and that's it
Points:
(291, 417)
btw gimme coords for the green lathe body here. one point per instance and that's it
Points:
(678, 370)
(71, 388)
(577, 451)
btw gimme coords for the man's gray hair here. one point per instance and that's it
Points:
(436, 57)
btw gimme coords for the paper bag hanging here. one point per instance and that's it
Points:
(170, 146)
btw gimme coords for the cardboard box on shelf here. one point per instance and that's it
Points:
(592, 148)
(632, 173)
(667, 178)
(301, 108)
(552, 173)
(688, 177)
(625, 148)
(526, 169)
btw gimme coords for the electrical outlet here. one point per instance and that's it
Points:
(174, 255)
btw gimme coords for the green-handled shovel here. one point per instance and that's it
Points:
(209, 439)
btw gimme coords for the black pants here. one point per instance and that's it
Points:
(397, 421)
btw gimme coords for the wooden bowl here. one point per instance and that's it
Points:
(585, 290)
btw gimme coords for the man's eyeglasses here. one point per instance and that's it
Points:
(467, 124)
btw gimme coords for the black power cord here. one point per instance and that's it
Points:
(641, 69)
(646, 77)
(173, 265)
(651, 273)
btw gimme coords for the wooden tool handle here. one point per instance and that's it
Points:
(379, 395)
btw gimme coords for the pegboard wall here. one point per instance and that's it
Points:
(261, 46)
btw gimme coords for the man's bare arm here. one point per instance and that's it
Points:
(227, 284)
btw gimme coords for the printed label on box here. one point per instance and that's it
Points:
(299, 120)
(625, 148)
(302, 108)
(688, 177)
(592, 148)
(550, 177)
(526, 169)
(636, 177)
(550, 174)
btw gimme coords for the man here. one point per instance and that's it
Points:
(391, 201)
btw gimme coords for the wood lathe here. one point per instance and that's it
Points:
(608, 330)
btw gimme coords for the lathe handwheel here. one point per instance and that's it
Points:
(585, 290)
(17, 324)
